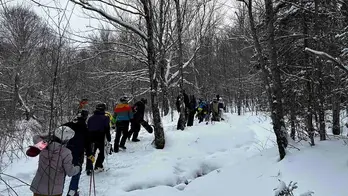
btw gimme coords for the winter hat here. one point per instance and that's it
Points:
(83, 114)
(143, 100)
(101, 107)
(64, 133)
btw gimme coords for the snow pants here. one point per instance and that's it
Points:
(191, 117)
(121, 129)
(74, 182)
(135, 129)
(96, 142)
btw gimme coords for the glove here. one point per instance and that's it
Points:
(91, 158)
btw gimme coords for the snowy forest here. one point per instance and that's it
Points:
(284, 60)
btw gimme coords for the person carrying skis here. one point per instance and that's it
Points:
(221, 107)
(215, 109)
(98, 129)
(77, 146)
(55, 162)
(192, 111)
(180, 106)
(123, 114)
(187, 105)
(138, 118)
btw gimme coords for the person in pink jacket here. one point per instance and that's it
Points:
(55, 162)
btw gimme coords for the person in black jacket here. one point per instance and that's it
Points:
(192, 111)
(77, 147)
(98, 130)
(138, 118)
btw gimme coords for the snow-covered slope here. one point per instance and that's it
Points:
(234, 157)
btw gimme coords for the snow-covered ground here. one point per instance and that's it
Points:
(234, 157)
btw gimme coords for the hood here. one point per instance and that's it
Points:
(54, 146)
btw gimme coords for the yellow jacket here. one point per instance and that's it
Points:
(112, 121)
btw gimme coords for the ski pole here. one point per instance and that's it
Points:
(94, 183)
(92, 174)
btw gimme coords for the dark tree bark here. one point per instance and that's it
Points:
(277, 105)
(151, 54)
(274, 91)
(336, 129)
(309, 112)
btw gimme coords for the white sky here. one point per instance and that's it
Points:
(80, 24)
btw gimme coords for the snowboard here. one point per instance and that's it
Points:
(146, 126)
(35, 149)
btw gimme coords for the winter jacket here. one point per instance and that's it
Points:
(55, 162)
(202, 107)
(99, 124)
(139, 111)
(178, 103)
(78, 142)
(192, 105)
(221, 104)
(111, 118)
(186, 100)
(123, 112)
(215, 107)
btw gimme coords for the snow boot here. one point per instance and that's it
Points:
(99, 169)
(73, 193)
(88, 172)
(123, 147)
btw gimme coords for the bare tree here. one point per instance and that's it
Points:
(146, 11)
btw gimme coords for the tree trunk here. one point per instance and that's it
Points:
(151, 57)
(309, 114)
(162, 63)
(293, 117)
(180, 50)
(277, 105)
(319, 88)
(276, 109)
(336, 130)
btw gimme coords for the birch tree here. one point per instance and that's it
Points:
(146, 11)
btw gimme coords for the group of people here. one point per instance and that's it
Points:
(70, 142)
(83, 136)
(188, 107)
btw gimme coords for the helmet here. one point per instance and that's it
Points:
(143, 100)
(64, 133)
(101, 107)
(124, 99)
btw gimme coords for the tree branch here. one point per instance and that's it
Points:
(127, 25)
(338, 62)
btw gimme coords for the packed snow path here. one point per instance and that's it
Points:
(188, 154)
